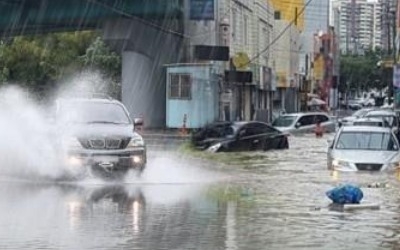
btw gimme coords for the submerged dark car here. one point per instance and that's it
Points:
(239, 136)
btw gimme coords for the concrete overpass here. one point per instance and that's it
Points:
(19, 17)
(148, 34)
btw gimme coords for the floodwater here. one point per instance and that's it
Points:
(273, 200)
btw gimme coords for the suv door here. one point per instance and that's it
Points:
(306, 123)
(325, 122)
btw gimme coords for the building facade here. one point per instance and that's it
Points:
(289, 23)
(246, 28)
(388, 22)
(360, 25)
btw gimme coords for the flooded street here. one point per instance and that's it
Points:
(271, 200)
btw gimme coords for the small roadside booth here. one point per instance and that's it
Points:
(192, 95)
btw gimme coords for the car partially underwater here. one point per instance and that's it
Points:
(239, 136)
(98, 137)
(364, 148)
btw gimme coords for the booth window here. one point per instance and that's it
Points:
(180, 86)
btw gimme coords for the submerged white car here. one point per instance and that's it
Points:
(363, 148)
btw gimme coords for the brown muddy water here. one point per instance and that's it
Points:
(271, 200)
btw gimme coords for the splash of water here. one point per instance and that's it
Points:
(27, 142)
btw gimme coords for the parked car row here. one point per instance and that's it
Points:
(366, 141)
(254, 135)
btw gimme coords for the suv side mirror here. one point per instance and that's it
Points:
(138, 122)
(298, 125)
(241, 133)
(330, 143)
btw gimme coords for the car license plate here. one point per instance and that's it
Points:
(106, 161)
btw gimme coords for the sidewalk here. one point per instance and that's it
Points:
(164, 133)
(164, 138)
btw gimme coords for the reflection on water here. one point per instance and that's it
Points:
(281, 204)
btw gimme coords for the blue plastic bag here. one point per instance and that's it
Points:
(347, 194)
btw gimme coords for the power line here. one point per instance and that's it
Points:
(280, 34)
(124, 13)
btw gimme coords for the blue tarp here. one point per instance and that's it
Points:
(346, 194)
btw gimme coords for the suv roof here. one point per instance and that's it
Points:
(81, 99)
(366, 129)
(381, 112)
(305, 113)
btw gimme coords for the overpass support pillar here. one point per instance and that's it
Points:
(145, 50)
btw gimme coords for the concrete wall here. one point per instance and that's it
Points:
(145, 50)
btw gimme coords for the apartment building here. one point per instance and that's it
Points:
(360, 25)
(246, 27)
(388, 18)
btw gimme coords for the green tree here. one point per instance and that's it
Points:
(362, 71)
(39, 62)
(100, 57)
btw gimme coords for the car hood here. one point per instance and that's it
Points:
(87, 130)
(349, 118)
(365, 156)
(283, 129)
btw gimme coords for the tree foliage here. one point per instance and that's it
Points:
(39, 62)
(361, 71)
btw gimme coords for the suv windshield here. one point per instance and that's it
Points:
(360, 113)
(391, 120)
(366, 141)
(92, 112)
(284, 121)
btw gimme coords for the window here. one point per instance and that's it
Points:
(234, 26)
(322, 118)
(180, 86)
(284, 121)
(245, 30)
(306, 120)
(277, 15)
(367, 141)
(257, 129)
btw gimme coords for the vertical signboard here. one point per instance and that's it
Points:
(319, 67)
(396, 84)
(396, 76)
(267, 81)
(202, 10)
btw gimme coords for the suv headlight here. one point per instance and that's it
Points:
(214, 148)
(339, 163)
(71, 143)
(136, 142)
(394, 165)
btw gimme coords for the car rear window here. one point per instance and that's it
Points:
(373, 124)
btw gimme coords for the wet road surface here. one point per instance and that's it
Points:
(272, 200)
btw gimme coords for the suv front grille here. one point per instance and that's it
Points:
(368, 167)
(104, 143)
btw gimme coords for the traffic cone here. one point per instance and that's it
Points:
(183, 130)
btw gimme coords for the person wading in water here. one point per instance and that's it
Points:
(319, 130)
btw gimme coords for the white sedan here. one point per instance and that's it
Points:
(363, 148)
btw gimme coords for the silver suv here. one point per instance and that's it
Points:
(304, 122)
(98, 135)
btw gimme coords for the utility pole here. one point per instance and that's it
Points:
(394, 51)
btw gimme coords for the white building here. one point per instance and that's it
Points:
(247, 28)
(286, 64)
(360, 25)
